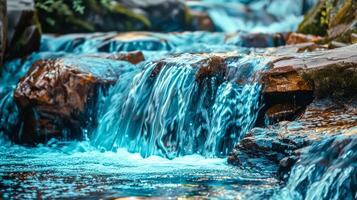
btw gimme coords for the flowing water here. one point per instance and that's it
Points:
(158, 135)
(161, 130)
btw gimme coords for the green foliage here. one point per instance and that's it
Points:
(51, 5)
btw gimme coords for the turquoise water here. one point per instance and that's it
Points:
(177, 129)
(166, 135)
(78, 170)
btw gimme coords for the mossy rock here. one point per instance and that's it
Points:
(334, 19)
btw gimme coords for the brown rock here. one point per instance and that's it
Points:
(297, 38)
(325, 72)
(282, 111)
(284, 79)
(133, 57)
(58, 96)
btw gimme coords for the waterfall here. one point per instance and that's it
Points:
(166, 110)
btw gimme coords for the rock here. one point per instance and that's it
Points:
(112, 15)
(325, 170)
(284, 79)
(257, 40)
(201, 21)
(280, 144)
(24, 31)
(133, 57)
(284, 111)
(331, 18)
(297, 38)
(327, 73)
(3, 29)
(58, 96)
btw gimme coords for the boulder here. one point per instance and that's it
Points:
(58, 97)
(24, 31)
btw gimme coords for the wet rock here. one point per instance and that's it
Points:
(58, 97)
(134, 57)
(281, 144)
(327, 73)
(285, 111)
(325, 170)
(24, 31)
(113, 15)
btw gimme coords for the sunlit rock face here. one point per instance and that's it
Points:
(57, 97)
(182, 105)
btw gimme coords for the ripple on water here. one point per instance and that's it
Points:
(74, 170)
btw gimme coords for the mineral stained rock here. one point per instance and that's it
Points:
(58, 96)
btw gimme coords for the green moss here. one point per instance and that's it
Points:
(331, 18)
(312, 21)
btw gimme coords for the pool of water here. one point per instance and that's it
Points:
(78, 170)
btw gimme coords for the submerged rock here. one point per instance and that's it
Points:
(58, 97)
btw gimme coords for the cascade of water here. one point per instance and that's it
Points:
(326, 170)
(164, 110)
